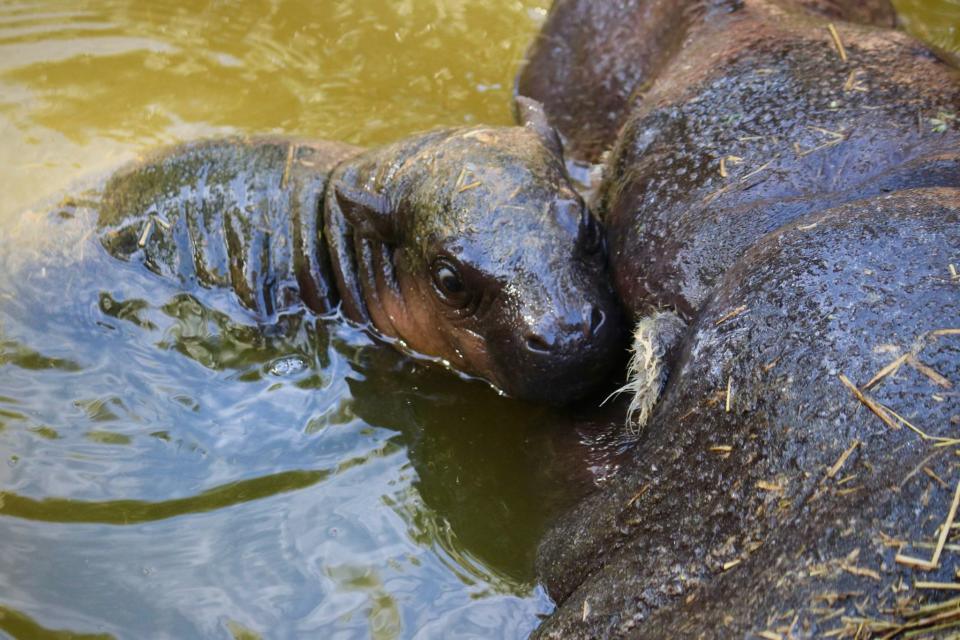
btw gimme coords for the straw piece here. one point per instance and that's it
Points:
(888, 370)
(931, 373)
(934, 562)
(638, 494)
(842, 459)
(756, 171)
(930, 609)
(147, 228)
(870, 404)
(860, 571)
(837, 42)
(732, 314)
(769, 486)
(930, 472)
(946, 586)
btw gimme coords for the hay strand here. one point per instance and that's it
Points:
(870, 404)
(731, 315)
(842, 459)
(888, 370)
(837, 42)
(930, 372)
(934, 562)
(145, 234)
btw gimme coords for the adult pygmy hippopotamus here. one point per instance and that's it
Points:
(781, 191)
(466, 245)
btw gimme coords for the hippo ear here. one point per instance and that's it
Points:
(530, 114)
(369, 214)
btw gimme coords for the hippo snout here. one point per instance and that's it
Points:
(562, 358)
(554, 338)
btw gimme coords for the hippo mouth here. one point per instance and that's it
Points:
(565, 375)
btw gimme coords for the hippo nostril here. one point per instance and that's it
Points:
(597, 319)
(537, 343)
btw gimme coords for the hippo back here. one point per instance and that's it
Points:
(759, 121)
(593, 60)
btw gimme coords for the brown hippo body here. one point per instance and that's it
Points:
(799, 208)
(797, 130)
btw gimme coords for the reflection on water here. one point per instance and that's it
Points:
(86, 84)
(19, 625)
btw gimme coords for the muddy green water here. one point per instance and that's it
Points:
(168, 470)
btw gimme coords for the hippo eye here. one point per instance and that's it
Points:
(449, 283)
(590, 236)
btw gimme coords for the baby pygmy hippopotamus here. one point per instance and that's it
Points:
(469, 246)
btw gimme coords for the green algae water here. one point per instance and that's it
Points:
(168, 469)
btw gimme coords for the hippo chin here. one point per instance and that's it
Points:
(468, 246)
(782, 201)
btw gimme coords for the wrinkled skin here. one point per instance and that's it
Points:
(824, 250)
(468, 246)
(229, 214)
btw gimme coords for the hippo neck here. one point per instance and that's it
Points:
(345, 253)
(362, 268)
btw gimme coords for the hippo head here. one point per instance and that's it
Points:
(471, 246)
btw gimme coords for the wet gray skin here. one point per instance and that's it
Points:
(821, 247)
(727, 523)
(799, 129)
(468, 246)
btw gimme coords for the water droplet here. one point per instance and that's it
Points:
(287, 366)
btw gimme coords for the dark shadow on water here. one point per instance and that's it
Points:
(123, 512)
(22, 627)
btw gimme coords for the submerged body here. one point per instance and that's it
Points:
(789, 187)
(467, 246)
(229, 214)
